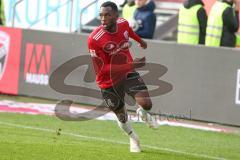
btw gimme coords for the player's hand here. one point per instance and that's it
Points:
(143, 44)
(139, 62)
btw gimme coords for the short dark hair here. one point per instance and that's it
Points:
(110, 4)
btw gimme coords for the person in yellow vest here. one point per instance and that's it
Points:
(128, 13)
(223, 23)
(2, 15)
(192, 23)
(128, 10)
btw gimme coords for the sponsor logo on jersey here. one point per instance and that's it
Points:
(92, 53)
(110, 46)
(126, 35)
(113, 48)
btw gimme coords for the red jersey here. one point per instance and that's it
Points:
(110, 53)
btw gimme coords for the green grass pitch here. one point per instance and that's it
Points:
(38, 137)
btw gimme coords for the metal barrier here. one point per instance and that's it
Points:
(82, 11)
(71, 15)
(14, 11)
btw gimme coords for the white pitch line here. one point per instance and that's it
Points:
(111, 141)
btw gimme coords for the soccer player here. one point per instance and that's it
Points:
(115, 69)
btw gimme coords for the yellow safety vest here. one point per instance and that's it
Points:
(188, 25)
(238, 40)
(128, 12)
(215, 24)
(2, 14)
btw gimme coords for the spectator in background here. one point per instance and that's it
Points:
(128, 10)
(223, 23)
(2, 15)
(192, 23)
(145, 18)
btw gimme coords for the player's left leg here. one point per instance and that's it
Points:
(145, 104)
(138, 90)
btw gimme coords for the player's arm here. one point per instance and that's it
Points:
(134, 36)
(96, 60)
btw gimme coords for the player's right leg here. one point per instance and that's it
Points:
(114, 99)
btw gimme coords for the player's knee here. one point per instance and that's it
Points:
(117, 107)
(147, 105)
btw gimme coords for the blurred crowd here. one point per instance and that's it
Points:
(195, 26)
(141, 17)
(218, 29)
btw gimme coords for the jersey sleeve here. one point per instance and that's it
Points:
(132, 34)
(93, 50)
